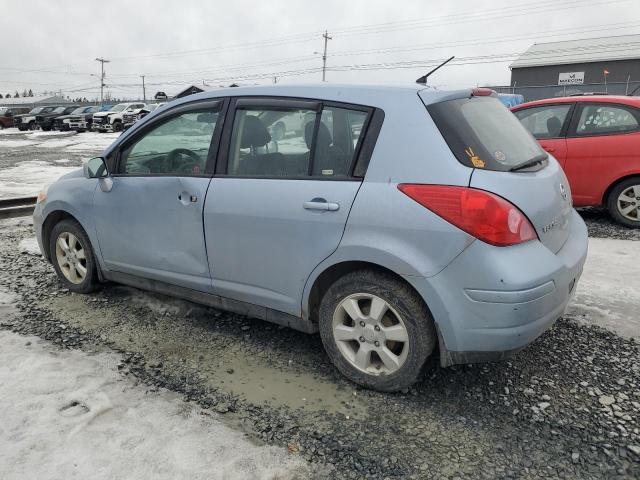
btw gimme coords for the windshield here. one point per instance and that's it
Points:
(59, 110)
(118, 108)
(37, 110)
(79, 110)
(3, 109)
(482, 133)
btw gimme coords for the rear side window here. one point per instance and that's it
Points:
(606, 119)
(545, 121)
(482, 133)
(279, 142)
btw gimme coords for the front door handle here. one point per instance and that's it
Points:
(185, 198)
(548, 148)
(321, 204)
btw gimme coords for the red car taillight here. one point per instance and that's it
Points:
(482, 214)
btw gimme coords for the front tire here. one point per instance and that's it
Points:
(117, 126)
(376, 330)
(72, 257)
(624, 202)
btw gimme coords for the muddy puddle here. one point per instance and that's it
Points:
(230, 358)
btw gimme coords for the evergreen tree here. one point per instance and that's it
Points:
(0, 95)
(30, 94)
(8, 95)
(17, 95)
(24, 93)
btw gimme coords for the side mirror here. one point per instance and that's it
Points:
(95, 168)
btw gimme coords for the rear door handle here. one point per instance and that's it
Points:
(321, 204)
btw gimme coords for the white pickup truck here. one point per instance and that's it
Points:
(111, 120)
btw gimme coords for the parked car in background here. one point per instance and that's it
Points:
(111, 120)
(44, 120)
(76, 120)
(129, 118)
(28, 120)
(8, 113)
(596, 139)
(396, 221)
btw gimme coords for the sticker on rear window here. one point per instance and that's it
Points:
(475, 160)
(500, 156)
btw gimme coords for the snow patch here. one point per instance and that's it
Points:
(71, 413)
(609, 289)
(29, 246)
(16, 143)
(28, 178)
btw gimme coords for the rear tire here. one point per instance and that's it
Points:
(389, 352)
(623, 202)
(72, 257)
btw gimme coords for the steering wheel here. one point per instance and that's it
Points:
(179, 166)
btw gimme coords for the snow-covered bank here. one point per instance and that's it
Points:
(68, 414)
(28, 178)
(609, 289)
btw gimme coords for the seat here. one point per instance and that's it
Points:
(554, 127)
(329, 159)
(256, 135)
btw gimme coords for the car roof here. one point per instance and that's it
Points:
(623, 99)
(363, 94)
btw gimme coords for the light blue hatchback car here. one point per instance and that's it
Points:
(396, 221)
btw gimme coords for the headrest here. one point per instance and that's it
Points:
(554, 125)
(254, 133)
(324, 136)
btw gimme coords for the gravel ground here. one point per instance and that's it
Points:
(601, 225)
(566, 407)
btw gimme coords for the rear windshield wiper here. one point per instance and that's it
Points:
(530, 163)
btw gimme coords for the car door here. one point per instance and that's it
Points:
(281, 196)
(149, 223)
(548, 124)
(602, 146)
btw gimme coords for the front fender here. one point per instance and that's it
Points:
(74, 196)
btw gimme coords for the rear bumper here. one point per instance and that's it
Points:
(492, 301)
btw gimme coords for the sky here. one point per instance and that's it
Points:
(52, 46)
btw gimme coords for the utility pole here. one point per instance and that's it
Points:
(324, 55)
(102, 62)
(144, 91)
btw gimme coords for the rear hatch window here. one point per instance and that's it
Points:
(483, 134)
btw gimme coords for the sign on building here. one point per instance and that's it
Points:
(571, 78)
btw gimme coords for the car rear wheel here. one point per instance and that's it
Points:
(377, 331)
(624, 202)
(72, 257)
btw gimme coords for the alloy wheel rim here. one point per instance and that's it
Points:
(71, 257)
(370, 334)
(629, 203)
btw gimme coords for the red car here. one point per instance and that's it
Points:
(596, 139)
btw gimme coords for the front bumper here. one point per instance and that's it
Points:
(493, 301)
(77, 126)
(38, 221)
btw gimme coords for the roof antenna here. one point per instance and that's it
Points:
(423, 79)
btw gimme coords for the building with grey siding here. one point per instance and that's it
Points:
(577, 66)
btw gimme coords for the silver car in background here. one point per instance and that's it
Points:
(399, 222)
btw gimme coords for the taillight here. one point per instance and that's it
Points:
(482, 214)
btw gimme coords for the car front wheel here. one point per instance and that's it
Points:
(377, 331)
(624, 202)
(72, 257)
